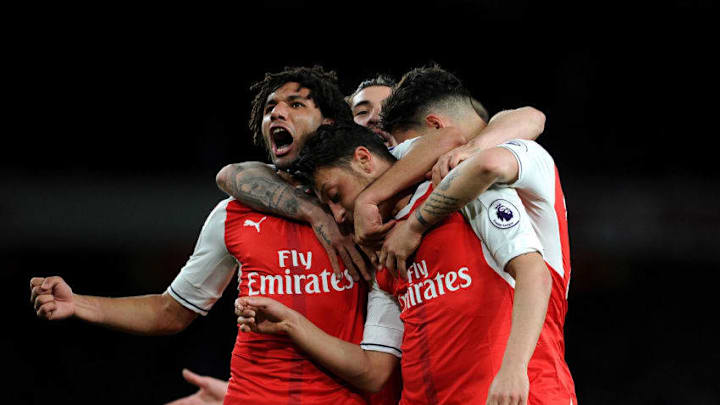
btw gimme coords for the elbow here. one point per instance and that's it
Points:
(488, 165)
(535, 119)
(224, 176)
(373, 384)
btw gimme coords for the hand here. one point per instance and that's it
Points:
(263, 315)
(509, 387)
(336, 243)
(451, 159)
(400, 244)
(211, 392)
(52, 298)
(369, 228)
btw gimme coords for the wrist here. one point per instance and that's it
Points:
(418, 223)
(293, 324)
(312, 213)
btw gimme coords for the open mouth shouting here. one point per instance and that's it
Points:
(282, 140)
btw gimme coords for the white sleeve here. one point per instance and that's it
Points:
(536, 169)
(383, 327)
(402, 149)
(499, 219)
(210, 268)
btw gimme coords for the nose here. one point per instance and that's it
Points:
(338, 212)
(374, 118)
(279, 112)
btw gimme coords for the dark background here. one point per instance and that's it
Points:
(117, 119)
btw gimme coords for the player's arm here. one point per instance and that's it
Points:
(463, 184)
(157, 314)
(533, 284)
(258, 186)
(367, 370)
(522, 123)
(428, 151)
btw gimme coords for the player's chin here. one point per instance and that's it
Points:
(286, 161)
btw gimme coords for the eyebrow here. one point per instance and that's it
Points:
(361, 103)
(291, 97)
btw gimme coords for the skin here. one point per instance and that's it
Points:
(290, 107)
(366, 106)
(339, 187)
(211, 391)
(266, 190)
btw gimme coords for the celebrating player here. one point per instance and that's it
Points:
(430, 99)
(366, 104)
(456, 304)
(279, 258)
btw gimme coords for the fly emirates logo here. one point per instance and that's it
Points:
(422, 288)
(288, 284)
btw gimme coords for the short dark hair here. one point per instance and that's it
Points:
(333, 146)
(379, 80)
(419, 89)
(324, 91)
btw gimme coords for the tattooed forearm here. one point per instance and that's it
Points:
(448, 180)
(440, 205)
(262, 189)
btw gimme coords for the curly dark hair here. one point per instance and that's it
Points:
(324, 91)
(379, 80)
(418, 90)
(333, 146)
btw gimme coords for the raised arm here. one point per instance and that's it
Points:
(441, 149)
(367, 370)
(157, 314)
(464, 183)
(260, 187)
(522, 123)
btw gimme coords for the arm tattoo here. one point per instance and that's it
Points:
(447, 181)
(440, 205)
(420, 219)
(265, 191)
(320, 231)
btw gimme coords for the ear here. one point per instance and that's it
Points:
(327, 121)
(435, 121)
(364, 159)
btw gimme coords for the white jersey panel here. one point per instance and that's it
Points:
(536, 187)
(500, 220)
(383, 327)
(209, 270)
(399, 151)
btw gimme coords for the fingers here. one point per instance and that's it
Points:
(51, 282)
(332, 255)
(390, 263)
(349, 264)
(35, 292)
(359, 262)
(46, 310)
(372, 254)
(401, 267)
(194, 379)
(440, 169)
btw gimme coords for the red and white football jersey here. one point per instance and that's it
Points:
(283, 260)
(539, 188)
(457, 301)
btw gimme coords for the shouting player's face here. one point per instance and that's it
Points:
(366, 106)
(289, 117)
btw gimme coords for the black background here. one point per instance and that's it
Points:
(117, 119)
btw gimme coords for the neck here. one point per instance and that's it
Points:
(472, 125)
